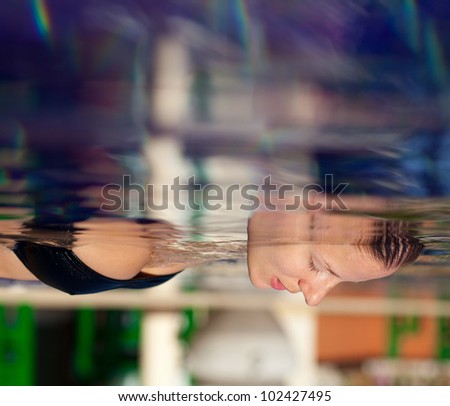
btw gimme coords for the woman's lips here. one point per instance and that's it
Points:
(276, 284)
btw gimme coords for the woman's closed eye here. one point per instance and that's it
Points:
(317, 265)
(312, 267)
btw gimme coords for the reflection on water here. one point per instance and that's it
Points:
(308, 251)
(343, 100)
(313, 252)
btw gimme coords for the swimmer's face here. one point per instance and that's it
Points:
(312, 253)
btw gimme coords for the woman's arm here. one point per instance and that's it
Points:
(121, 249)
(12, 268)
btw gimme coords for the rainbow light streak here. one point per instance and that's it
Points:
(412, 24)
(241, 14)
(42, 20)
(434, 54)
(243, 19)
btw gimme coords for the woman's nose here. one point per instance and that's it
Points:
(314, 292)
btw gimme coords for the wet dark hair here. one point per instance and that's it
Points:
(393, 245)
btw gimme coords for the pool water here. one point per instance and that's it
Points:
(186, 114)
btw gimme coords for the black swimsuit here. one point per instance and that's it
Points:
(60, 268)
